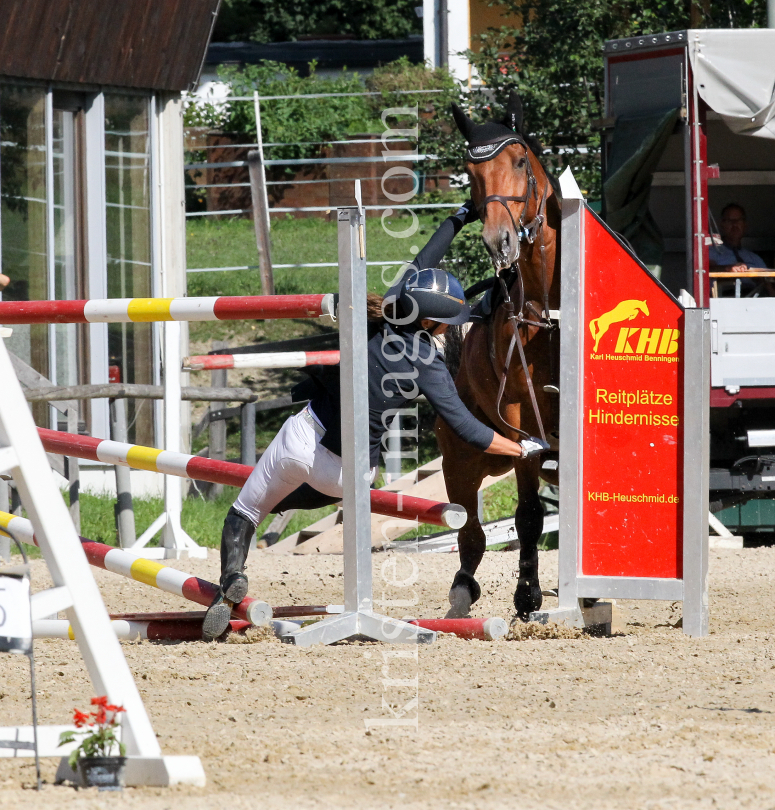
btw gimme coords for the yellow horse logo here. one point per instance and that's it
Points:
(624, 311)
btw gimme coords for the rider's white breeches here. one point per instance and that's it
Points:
(294, 457)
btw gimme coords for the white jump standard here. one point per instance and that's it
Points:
(359, 617)
(75, 592)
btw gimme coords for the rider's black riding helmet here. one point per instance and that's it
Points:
(433, 294)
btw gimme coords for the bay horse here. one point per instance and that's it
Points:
(521, 215)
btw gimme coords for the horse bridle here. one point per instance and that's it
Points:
(531, 232)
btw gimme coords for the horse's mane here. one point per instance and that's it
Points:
(537, 148)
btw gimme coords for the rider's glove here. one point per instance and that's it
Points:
(467, 213)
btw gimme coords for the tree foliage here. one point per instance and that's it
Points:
(287, 20)
(553, 58)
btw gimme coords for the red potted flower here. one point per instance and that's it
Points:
(93, 757)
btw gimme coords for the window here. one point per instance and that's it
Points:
(128, 226)
(23, 217)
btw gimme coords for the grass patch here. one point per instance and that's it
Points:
(202, 519)
(231, 243)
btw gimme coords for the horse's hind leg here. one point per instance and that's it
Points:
(529, 521)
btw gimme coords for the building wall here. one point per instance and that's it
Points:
(466, 21)
(484, 16)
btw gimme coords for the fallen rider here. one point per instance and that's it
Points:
(302, 467)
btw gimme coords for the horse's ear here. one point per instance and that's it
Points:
(464, 123)
(513, 117)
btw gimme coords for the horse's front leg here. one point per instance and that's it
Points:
(529, 521)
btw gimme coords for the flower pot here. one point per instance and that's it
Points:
(105, 773)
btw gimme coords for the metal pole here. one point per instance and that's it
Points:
(393, 455)
(443, 29)
(770, 13)
(260, 144)
(125, 513)
(260, 203)
(353, 336)
(248, 434)
(175, 540)
(73, 474)
(572, 278)
(696, 429)
(218, 379)
(358, 617)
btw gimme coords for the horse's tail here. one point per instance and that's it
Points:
(593, 327)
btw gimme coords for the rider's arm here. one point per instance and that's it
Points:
(439, 389)
(435, 382)
(434, 250)
(501, 446)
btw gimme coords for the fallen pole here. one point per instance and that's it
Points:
(177, 626)
(264, 360)
(159, 630)
(393, 504)
(146, 310)
(164, 630)
(132, 566)
(482, 629)
(291, 612)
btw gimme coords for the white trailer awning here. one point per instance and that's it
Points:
(735, 75)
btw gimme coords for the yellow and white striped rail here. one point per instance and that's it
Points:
(132, 566)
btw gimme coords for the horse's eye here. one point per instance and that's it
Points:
(521, 163)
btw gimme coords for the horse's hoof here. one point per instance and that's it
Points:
(464, 592)
(460, 603)
(527, 598)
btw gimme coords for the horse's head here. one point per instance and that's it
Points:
(502, 178)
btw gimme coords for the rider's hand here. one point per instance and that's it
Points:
(467, 212)
(740, 268)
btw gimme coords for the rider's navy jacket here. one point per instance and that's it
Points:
(403, 363)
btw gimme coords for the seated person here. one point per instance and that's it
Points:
(731, 256)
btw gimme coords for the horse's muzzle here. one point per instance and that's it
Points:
(503, 247)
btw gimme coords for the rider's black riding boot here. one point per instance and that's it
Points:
(235, 542)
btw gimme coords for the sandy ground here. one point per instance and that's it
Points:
(644, 719)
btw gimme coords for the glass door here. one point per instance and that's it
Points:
(40, 217)
(23, 217)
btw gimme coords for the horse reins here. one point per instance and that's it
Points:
(532, 231)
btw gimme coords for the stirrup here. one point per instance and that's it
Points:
(533, 447)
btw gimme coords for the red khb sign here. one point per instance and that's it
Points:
(632, 403)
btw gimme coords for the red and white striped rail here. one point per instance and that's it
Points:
(261, 360)
(189, 628)
(145, 310)
(132, 566)
(163, 630)
(393, 504)
(481, 629)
